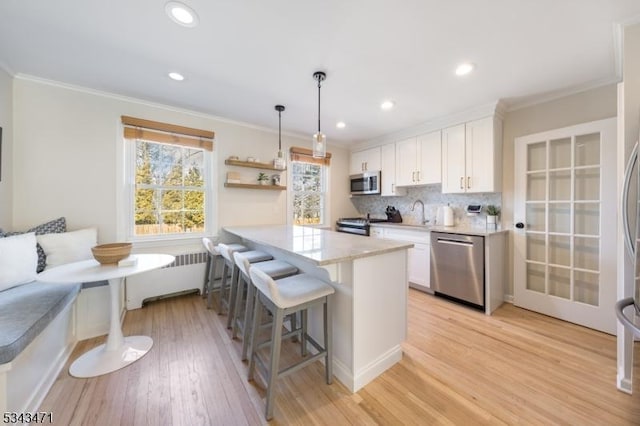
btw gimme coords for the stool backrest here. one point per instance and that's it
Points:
(209, 246)
(225, 251)
(242, 262)
(266, 285)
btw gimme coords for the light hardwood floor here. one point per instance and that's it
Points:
(459, 367)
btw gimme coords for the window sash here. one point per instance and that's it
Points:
(158, 209)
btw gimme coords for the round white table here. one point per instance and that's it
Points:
(118, 351)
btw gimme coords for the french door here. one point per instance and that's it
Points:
(565, 224)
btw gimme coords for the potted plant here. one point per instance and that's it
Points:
(492, 214)
(263, 179)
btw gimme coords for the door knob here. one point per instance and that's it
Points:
(520, 225)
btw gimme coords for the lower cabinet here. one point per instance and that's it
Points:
(418, 266)
(418, 262)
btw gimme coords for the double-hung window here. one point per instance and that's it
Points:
(169, 186)
(309, 177)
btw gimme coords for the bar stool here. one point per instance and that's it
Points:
(213, 254)
(241, 322)
(228, 301)
(283, 297)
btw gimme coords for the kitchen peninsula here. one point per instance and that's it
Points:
(370, 303)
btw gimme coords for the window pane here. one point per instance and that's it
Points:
(308, 193)
(170, 189)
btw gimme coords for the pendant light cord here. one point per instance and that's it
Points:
(279, 131)
(319, 83)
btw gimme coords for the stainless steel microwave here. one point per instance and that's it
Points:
(365, 183)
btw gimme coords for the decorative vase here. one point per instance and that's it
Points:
(492, 221)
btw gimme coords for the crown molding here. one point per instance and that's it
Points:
(94, 92)
(562, 93)
(496, 108)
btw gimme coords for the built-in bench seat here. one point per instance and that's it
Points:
(26, 310)
(40, 324)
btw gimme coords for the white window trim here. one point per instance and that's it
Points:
(125, 153)
(290, 193)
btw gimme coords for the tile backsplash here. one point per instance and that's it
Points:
(433, 199)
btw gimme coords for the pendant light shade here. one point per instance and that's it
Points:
(279, 162)
(319, 139)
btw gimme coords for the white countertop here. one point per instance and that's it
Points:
(319, 246)
(452, 229)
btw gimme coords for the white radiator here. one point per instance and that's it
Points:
(184, 275)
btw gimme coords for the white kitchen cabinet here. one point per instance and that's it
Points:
(365, 161)
(388, 172)
(418, 160)
(419, 257)
(472, 157)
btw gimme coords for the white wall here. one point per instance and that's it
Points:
(578, 108)
(66, 156)
(6, 121)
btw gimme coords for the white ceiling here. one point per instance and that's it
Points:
(248, 55)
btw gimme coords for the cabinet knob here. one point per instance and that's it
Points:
(520, 225)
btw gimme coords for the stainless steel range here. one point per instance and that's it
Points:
(356, 225)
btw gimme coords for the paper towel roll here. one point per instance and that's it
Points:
(447, 213)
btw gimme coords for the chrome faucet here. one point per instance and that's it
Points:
(423, 221)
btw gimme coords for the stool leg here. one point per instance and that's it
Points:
(233, 294)
(212, 280)
(205, 283)
(248, 320)
(276, 341)
(223, 286)
(255, 329)
(328, 343)
(238, 306)
(303, 334)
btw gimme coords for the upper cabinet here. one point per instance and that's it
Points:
(365, 161)
(472, 157)
(389, 185)
(418, 160)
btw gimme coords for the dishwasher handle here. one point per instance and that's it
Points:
(454, 242)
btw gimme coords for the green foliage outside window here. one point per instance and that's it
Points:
(169, 189)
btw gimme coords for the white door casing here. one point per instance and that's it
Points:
(565, 198)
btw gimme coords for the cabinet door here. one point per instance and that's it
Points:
(418, 265)
(480, 151)
(388, 172)
(356, 165)
(367, 160)
(429, 158)
(372, 160)
(406, 164)
(453, 159)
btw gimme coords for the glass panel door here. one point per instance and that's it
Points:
(564, 193)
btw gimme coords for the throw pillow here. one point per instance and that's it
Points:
(53, 226)
(18, 259)
(69, 246)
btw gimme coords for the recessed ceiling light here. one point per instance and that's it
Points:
(181, 14)
(465, 68)
(387, 105)
(176, 76)
(341, 124)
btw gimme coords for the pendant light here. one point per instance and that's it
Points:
(319, 139)
(279, 162)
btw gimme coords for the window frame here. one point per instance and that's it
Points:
(126, 200)
(324, 195)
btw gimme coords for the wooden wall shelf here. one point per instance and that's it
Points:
(266, 166)
(254, 186)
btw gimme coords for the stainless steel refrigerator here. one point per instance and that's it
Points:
(631, 222)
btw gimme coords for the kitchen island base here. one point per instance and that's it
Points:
(370, 301)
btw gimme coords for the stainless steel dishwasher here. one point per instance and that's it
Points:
(457, 267)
